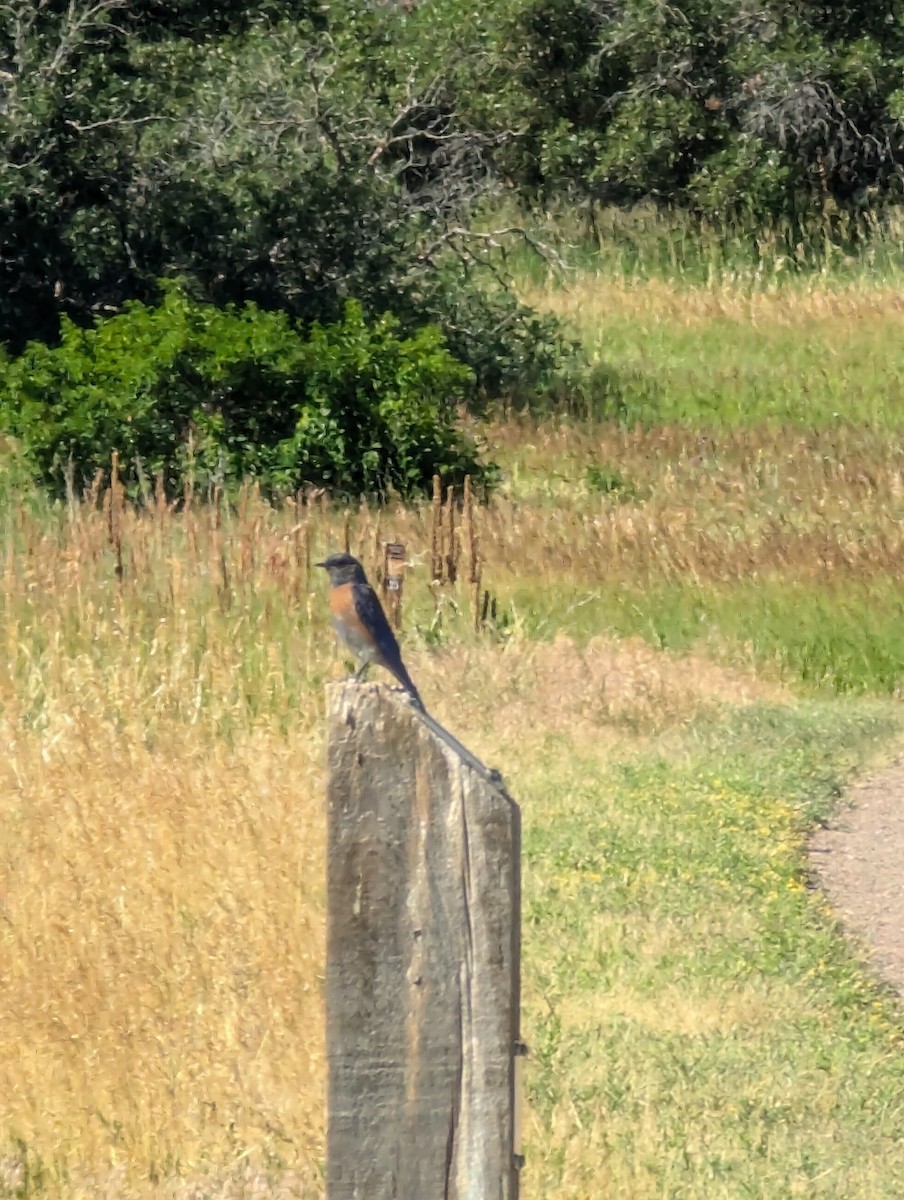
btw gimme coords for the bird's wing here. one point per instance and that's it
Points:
(371, 615)
(369, 612)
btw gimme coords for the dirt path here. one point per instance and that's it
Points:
(859, 861)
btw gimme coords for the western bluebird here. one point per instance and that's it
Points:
(360, 622)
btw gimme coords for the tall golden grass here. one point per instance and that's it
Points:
(725, 506)
(162, 856)
(161, 896)
(762, 303)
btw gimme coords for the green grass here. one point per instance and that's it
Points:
(846, 640)
(725, 331)
(732, 374)
(698, 1027)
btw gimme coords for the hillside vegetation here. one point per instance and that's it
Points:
(675, 615)
(265, 270)
(288, 158)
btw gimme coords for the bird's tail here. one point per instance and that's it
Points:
(408, 684)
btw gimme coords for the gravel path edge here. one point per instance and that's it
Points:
(858, 861)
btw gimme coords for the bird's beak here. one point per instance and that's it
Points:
(320, 565)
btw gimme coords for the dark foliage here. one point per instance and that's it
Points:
(260, 152)
(775, 110)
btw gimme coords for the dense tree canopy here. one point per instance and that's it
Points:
(294, 155)
(721, 107)
(249, 149)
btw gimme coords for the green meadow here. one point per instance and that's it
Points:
(696, 640)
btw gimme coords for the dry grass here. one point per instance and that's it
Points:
(163, 947)
(161, 890)
(758, 304)
(161, 917)
(727, 506)
(161, 907)
(163, 858)
(604, 686)
(161, 904)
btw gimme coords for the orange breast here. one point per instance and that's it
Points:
(347, 623)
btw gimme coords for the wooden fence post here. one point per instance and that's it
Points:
(393, 581)
(423, 960)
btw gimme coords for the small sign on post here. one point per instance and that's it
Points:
(393, 580)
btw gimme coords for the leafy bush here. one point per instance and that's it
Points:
(353, 407)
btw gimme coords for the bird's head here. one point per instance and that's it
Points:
(343, 568)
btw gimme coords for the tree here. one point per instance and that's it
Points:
(259, 152)
(767, 109)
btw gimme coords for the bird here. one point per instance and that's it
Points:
(360, 623)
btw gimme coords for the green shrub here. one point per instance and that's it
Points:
(609, 482)
(353, 407)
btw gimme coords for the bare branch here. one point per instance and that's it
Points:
(79, 127)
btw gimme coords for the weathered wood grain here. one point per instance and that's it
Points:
(423, 964)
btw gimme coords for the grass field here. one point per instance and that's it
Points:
(698, 637)
(729, 355)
